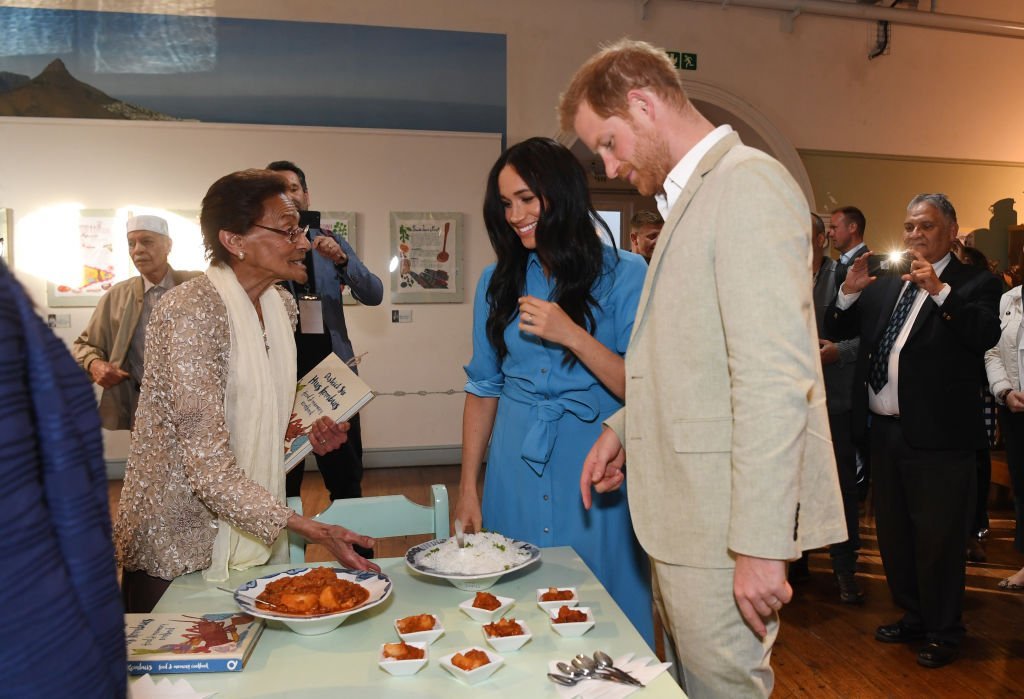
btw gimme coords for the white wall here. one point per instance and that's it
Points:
(170, 165)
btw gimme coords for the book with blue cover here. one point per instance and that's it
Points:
(171, 643)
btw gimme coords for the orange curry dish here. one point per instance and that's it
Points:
(503, 627)
(319, 591)
(555, 595)
(471, 660)
(416, 623)
(485, 600)
(568, 615)
(402, 651)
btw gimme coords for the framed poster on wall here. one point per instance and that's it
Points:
(428, 248)
(90, 267)
(343, 225)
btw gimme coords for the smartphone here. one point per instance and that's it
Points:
(309, 218)
(896, 263)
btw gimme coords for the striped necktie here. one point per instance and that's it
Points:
(879, 373)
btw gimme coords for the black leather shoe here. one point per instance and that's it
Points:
(975, 552)
(897, 633)
(937, 654)
(849, 590)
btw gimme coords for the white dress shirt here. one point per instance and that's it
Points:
(849, 256)
(677, 178)
(886, 401)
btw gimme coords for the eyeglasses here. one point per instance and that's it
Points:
(291, 235)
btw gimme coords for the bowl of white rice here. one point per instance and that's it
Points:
(481, 563)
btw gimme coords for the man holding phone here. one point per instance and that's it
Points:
(922, 336)
(332, 264)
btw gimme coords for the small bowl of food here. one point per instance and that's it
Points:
(425, 628)
(507, 635)
(554, 597)
(472, 665)
(485, 607)
(572, 622)
(402, 659)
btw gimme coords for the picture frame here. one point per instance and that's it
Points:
(342, 224)
(92, 268)
(427, 249)
(7, 236)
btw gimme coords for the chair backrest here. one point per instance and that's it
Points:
(379, 517)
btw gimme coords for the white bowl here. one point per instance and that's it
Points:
(573, 629)
(473, 676)
(557, 604)
(378, 584)
(427, 637)
(507, 644)
(403, 668)
(470, 582)
(485, 616)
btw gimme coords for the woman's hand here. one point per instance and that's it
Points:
(468, 511)
(335, 539)
(326, 435)
(546, 320)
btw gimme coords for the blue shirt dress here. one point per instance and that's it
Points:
(548, 417)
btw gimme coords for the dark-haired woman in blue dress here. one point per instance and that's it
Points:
(551, 322)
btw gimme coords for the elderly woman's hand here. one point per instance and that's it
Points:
(326, 435)
(337, 540)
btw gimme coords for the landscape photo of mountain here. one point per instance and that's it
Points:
(118, 65)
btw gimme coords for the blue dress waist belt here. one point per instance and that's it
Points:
(540, 438)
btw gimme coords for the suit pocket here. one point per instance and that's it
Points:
(702, 436)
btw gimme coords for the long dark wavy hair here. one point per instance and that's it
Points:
(567, 244)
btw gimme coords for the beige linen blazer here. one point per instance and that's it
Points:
(727, 440)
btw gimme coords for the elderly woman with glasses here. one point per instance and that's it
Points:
(204, 485)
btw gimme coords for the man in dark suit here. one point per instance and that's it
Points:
(922, 334)
(846, 231)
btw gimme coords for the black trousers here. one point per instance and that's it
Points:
(141, 591)
(342, 468)
(922, 502)
(844, 554)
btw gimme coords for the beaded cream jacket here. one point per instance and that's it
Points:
(181, 474)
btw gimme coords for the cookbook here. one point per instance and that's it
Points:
(331, 388)
(171, 643)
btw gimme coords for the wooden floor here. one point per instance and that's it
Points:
(825, 649)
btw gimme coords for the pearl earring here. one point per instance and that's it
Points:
(241, 254)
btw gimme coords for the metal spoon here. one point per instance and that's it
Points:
(460, 537)
(605, 662)
(580, 668)
(252, 599)
(564, 680)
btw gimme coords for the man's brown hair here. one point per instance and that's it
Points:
(604, 81)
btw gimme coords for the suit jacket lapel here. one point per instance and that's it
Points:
(706, 165)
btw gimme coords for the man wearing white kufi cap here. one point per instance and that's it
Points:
(112, 346)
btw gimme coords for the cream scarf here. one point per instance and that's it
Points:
(257, 404)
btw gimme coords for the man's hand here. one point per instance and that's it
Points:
(857, 277)
(602, 468)
(829, 352)
(326, 435)
(760, 588)
(329, 248)
(106, 374)
(923, 274)
(1015, 401)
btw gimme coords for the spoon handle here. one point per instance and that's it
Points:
(562, 679)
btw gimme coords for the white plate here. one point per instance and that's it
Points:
(485, 616)
(473, 676)
(474, 582)
(507, 644)
(573, 629)
(427, 637)
(403, 668)
(378, 584)
(557, 604)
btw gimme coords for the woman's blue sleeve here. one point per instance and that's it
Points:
(485, 377)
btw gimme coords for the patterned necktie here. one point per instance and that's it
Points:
(879, 374)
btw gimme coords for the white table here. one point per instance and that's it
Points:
(343, 663)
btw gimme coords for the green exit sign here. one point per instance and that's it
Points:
(683, 61)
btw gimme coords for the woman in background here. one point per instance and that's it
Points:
(204, 485)
(551, 322)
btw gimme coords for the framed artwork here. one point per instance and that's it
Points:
(428, 249)
(7, 236)
(343, 225)
(90, 267)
